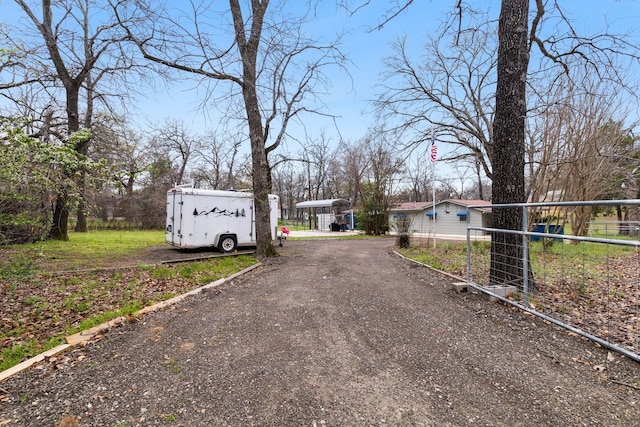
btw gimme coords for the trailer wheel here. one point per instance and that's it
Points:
(227, 244)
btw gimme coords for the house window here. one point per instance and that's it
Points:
(462, 216)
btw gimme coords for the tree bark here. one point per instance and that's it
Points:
(59, 227)
(509, 136)
(60, 218)
(260, 169)
(81, 216)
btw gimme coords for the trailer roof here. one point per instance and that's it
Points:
(330, 203)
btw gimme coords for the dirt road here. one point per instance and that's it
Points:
(335, 333)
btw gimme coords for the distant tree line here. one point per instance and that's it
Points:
(70, 71)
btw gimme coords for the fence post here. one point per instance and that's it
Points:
(525, 257)
(468, 247)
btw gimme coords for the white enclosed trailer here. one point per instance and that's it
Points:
(205, 218)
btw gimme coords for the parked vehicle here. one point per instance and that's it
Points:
(213, 218)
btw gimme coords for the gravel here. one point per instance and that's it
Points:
(335, 333)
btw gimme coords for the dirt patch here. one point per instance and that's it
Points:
(162, 254)
(333, 332)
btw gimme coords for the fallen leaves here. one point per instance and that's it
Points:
(600, 298)
(577, 360)
(52, 305)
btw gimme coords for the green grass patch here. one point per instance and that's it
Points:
(33, 300)
(17, 353)
(16, 270)
(207, 271)
(550, 259)
(53, 289)
(573, 249)
(53, 342)
(101, 318)
(163, 272)
(167, 295)
(17, 267)
(448, 256)
(10, 357)
(83, 250)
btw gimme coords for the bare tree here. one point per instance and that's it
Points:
(449, 88)
(335, 182)
(127, 159)
(420, 176)
(354, 167)
(275, 68)
(558, 43)
(378, 183)
(560, 50)
(318, 153)
(174, 141)
(290, 182)
(584, 149)
(216, 161)
(76, 51)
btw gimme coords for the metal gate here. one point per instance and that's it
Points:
(582, 276)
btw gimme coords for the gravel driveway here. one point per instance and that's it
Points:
(335, 333)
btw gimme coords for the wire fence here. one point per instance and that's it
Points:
(575, 264)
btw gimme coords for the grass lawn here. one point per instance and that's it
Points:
(53, 289)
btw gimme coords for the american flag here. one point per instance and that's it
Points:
(434, 147)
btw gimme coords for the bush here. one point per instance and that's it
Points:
(402, 226)
(403, 240)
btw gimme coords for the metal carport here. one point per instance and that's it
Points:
(324, 212)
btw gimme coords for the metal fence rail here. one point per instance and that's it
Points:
(587, 281)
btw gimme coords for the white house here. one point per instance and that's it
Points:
(451, 216)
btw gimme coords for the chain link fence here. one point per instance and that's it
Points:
(577, 265)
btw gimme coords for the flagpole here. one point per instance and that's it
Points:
(433, 197)
(433, 182)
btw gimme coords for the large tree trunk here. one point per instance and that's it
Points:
(61, 212)
(81, 224)
(60, 218)
(260, 169)
(83, 148)
(261, 189)
(509, 135)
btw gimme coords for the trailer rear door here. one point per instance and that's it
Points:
(174, 218)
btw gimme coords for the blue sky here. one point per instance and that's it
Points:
(350, 94)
